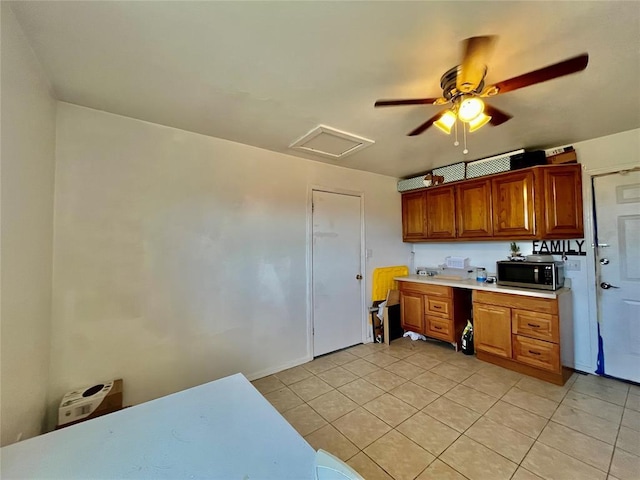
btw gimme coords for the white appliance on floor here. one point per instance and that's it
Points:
(80, 403)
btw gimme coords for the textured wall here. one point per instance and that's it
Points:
(181, 258)
(28, 136)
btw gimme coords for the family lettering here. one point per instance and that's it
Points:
(559, 247)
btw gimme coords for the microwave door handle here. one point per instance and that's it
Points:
(535, 275)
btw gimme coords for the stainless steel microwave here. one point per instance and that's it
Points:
(540, 275)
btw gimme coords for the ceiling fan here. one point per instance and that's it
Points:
(463, 86)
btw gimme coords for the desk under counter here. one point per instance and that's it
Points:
(523, 329)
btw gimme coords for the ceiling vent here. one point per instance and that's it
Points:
(331, 143)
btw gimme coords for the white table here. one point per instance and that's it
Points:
(220, 430)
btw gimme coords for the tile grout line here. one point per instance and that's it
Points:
(443, 396)
(613, 452)
(403, 358)
(542, 430)
(518, 465)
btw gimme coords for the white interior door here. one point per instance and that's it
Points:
(617, 206)
(336, 275)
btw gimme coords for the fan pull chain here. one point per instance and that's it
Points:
(464, 133)
(455, 127)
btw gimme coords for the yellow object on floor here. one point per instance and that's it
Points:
(383, 281)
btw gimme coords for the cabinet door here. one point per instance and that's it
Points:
(513, 204)
(492, 329)
(414, 216)
(412, 311)
(473, 206)
(562, 207)
(441, 218)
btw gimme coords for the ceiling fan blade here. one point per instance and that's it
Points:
(566, 67)
(414, 101)
(425, 125)
(498, 117)
(474, 62)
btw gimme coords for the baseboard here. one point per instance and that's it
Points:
(558, 378)
(271, 370)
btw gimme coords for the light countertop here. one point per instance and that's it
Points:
(488, 287)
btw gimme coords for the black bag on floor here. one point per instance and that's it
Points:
(467, 339)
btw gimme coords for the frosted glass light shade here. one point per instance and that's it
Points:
(446, 121)
(470, 108)
(478, 122)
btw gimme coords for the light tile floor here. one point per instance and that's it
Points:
(419, 410)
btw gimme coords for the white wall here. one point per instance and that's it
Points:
(27, 152)
(610, 153)
(181, 258)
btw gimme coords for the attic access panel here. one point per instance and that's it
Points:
(330, 142)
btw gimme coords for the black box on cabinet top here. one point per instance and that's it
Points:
(528, 159)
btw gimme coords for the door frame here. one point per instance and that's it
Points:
(309, 260)
(589, 229)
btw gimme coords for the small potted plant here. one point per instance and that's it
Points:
(515, 251)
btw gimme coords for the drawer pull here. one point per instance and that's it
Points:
(437, 327)
(533, 325)
(437, 307)
(534, 353)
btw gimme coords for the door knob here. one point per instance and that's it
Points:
(358, 277)
(607, 286)
(604, 261)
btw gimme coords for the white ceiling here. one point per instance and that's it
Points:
(265, 73)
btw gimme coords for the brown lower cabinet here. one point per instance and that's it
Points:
(434, 311)
(412, 308)
(530, 335)
(492, 329)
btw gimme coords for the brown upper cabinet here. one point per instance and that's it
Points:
(562, 191)
(473, 199)
(514, 205)
(543, 202)
(441, 213)
(414, 216)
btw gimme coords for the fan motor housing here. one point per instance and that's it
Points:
(448, 83)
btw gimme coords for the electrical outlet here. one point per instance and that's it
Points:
(572, 265)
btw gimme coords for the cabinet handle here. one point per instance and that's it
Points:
(534, 353)
(437, 307)
(437, 327)
(533, 325)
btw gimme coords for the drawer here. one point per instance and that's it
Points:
(425, 288)
(440, 307)
(536, 304)
(537, 325)
(536, 353)
(439, 328)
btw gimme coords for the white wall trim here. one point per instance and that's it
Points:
(587, 199)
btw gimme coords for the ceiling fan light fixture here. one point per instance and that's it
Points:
(470, 108)
(446, 121)
(478, 122)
